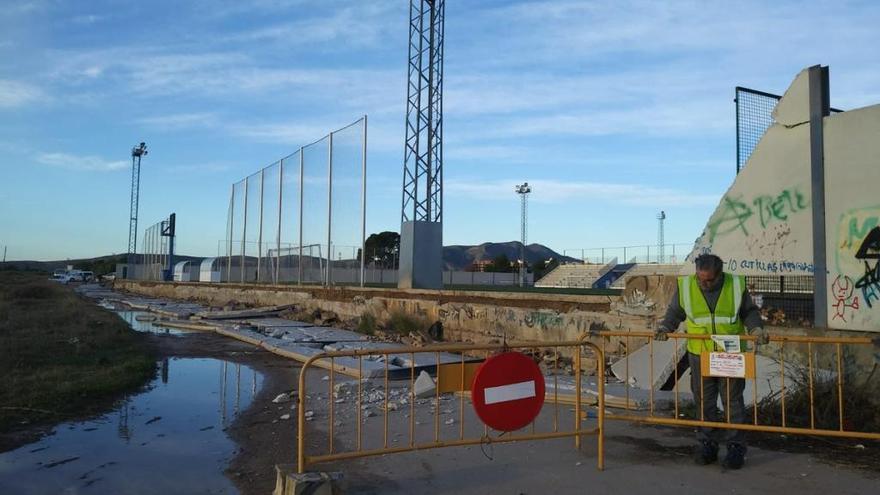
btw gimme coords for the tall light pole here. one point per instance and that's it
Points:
(137, 153)
(523, 190)
(661, 242)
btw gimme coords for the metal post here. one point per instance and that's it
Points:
(278, 235)
(230, 233)
(736, 105)
(364, 203)
(819, 108)
(624, 255)
(260, 232)
(328, 280)
(301, 189)
(244, 228)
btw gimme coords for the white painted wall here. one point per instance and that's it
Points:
(763, 223)
(852, 218)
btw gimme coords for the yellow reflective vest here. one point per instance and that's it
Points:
(701, 321)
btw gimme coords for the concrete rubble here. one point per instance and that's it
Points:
(293, 339)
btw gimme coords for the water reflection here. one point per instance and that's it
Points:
(168, 439)
(130, 317)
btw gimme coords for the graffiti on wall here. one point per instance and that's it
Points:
(855, 292)
(736, 214)
(869, 255)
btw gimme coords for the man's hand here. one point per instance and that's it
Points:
(761, 336)
(661, 334)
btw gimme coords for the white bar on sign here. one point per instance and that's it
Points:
(505, 393)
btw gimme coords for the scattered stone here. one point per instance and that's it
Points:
(277, 334)
(369, 413)
(309, 415)
(339, 401)
(449, 421)
(285, 416)
(281, 398)
(325, 378)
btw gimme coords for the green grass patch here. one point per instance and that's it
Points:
(403, 323)
(62, 356)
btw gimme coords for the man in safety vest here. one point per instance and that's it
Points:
(715, 303)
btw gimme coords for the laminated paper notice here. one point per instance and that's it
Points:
(727, 364)
(727, 343)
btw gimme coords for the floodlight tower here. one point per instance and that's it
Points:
(523, 190)
(137, 153)
(661, 217)
(421, 230)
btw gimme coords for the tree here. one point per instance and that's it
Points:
(500, 263)
(383, 249)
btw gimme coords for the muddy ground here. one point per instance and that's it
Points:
(639, 459)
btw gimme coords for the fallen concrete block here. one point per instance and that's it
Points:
(424, 385)
(289, 482)
(636, 367)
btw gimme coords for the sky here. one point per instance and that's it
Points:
(611, 110)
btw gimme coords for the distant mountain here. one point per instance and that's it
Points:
(461, 257)
(454, 258)
(99, 264)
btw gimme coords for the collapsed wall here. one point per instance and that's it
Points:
(764, 224)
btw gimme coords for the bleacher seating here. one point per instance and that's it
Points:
(572, 276)
(647, 269)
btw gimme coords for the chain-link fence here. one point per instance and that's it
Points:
(156, 249)
(668, 253)
(784, 300)
(301, 219)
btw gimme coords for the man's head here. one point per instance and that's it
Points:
(709, 270)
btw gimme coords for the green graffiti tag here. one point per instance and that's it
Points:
(734, 214)
(855, 233)
(771, 208)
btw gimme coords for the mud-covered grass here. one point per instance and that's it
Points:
(62, 356)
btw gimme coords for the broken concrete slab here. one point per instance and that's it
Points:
(329, 335)
(275, 322)
(636, 367)
(242, 313)
(289, 482)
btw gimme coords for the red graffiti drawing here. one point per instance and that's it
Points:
(842, 290)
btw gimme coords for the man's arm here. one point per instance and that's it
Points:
(674, 315)
(750, 314)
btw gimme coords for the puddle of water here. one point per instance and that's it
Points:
(130, 317)
(169, 439)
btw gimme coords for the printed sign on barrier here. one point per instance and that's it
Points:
(508, 391)
(728, 364)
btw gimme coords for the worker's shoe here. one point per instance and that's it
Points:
(706, 452)
(736, 456)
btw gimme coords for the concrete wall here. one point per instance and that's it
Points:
(467, 316)
(763, 223)
(852, 212)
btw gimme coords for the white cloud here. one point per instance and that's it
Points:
(83, 163)
(16, 94)
(179, 121)
(555, 191)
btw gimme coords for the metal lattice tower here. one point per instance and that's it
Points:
(137, 153)
(423, 151)
(661, 242)
(523, 190)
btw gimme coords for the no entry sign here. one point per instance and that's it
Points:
(508, 391)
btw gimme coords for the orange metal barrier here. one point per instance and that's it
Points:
(790, 383)
(451, 377)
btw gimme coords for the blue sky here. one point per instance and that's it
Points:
(611, 110)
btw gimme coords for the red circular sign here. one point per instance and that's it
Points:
(508, 391)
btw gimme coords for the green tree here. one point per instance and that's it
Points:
(383, 249)
(500, 263)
